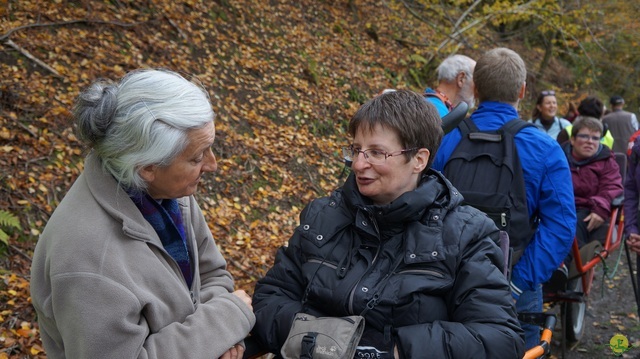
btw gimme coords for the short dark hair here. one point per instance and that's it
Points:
(415, 120)
(591, 106)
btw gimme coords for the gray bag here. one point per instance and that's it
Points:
(323, 337)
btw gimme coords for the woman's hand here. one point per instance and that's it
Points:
(244, 296)
(235, 352)
(633, 242)
(594, 220)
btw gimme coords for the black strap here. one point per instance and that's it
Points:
(560, 124)
(467, 126)
(514, 126)
(307, 345)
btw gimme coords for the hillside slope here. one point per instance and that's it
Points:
(283, 76)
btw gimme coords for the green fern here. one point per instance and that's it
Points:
(7, 220)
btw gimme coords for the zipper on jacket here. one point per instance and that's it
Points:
(422, 271)
(373, 261)
(325, 263)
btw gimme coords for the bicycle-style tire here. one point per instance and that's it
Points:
(575, 314)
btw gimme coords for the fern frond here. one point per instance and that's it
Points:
(4, 238)
(8, 220)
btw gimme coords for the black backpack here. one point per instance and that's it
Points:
(485, 168)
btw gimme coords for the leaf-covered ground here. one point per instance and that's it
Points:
(283, 76)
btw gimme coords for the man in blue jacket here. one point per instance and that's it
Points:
(455, 84)
(499, 78)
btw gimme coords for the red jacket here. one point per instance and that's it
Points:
(596, 180)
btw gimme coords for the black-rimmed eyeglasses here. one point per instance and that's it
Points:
(373, 156)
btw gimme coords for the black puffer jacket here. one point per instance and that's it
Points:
(447, 298)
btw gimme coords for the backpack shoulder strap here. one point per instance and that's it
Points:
(560, 124)
(467, 126)
(514, 126)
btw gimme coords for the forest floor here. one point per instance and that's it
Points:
(611, 311)
(284, 77)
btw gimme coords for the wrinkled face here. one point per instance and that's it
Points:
(182, 176)
(548, 108)
(385, 182)
(585, 143)
(467, 91)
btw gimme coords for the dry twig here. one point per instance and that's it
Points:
(28, 55)
(5, 37)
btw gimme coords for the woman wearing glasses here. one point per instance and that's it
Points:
(590, 106)
(396, 240)
(595, 175)
(544, 114)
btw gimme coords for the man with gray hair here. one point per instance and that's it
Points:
(500, 83)
(455, 84)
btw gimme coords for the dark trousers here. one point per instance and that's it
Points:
(585, 236)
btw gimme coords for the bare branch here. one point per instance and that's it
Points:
(175, 26)
(593, 37)
(20, 252)
(466, 13)
(71, 22)
(455, 33)
(5, 37)
(28, 55)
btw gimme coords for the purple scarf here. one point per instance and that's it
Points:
(166, 219)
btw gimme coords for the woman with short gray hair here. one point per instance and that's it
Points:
(127, 267)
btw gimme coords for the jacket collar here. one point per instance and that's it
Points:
(418, 214)
(491, 115)
(434, 190)
(603, 153)
(115, 201)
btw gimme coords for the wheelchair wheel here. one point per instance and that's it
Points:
(575, 314)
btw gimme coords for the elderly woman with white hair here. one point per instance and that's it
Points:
(127, 267)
